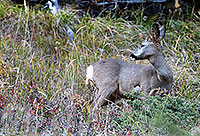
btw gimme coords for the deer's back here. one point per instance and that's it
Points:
(114, 70)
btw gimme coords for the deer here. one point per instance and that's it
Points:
(114, 77)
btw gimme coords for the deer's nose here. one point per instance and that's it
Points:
(133, 56)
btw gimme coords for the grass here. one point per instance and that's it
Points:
(42, 75)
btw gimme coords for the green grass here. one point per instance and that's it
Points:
(42, 75)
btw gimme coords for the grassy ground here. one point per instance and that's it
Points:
(42, 75)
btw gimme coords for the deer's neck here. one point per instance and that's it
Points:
(163, 70)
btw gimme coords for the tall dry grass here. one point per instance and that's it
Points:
(42, 75)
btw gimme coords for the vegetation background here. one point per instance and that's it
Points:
(42, 74)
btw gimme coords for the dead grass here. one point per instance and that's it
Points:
(42, 72)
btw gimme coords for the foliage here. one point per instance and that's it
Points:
(42, 75)
(159, 115)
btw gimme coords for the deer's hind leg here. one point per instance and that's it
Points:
(104, 92)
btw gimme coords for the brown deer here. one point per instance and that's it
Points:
(114, 76)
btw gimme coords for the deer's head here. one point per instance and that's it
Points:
(151, 46)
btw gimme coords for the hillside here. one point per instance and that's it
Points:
(42, 74)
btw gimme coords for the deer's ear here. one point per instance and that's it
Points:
(162, 32)
(155, 32)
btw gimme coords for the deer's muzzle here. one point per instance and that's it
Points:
(134, 57)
